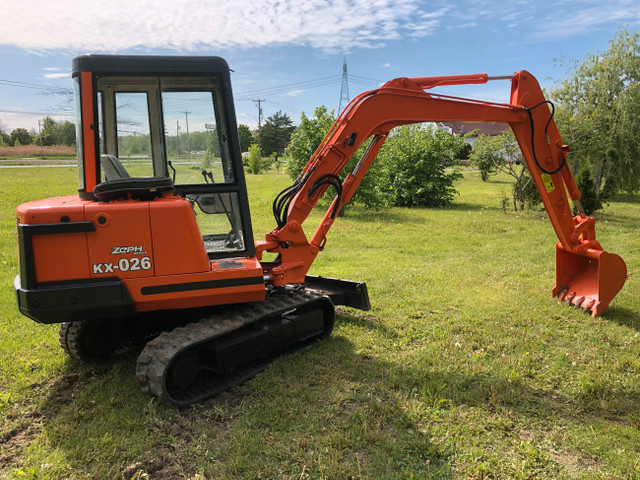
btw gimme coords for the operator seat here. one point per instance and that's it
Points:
(119, 184)
(112, 168)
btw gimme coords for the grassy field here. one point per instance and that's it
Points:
(464, 368)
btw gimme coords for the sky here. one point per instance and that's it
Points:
(290, 53)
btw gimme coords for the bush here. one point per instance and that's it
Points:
(255, 163)
(412, 168)
(591, 198)
(415, 167)
(501, 153)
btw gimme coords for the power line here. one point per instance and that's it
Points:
(35, 86)
(25, 112)
(291, 87)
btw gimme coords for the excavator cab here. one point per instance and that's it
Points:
(160, 122)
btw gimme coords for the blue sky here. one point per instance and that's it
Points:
(279, 49)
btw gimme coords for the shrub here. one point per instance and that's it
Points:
(412, 168)
(415, 167)
(255, 163)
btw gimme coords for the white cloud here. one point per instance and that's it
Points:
(57, 75)
(117, 25)
(587, 15)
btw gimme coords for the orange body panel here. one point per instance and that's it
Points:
(57, 257)
(88, 127)
(154, 246)
(177, 245)
(239, 280)
(121, 245)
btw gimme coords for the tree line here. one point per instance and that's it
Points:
(51, 133)
(597, 111)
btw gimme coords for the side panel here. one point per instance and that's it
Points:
(55, 256)
(121, 245)
(60, 257)
(177, 243)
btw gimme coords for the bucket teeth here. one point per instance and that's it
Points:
(577, 301)
(569, 298)
(562, 294)
(588, 306)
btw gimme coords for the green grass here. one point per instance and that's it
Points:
(464, 368)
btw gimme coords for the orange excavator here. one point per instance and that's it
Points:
(156, 249)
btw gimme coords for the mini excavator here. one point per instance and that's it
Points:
(156, 249)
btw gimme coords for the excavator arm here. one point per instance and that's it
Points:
(586, 275)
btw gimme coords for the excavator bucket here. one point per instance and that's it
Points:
(590, 280)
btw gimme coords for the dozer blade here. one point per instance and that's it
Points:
(588, 281)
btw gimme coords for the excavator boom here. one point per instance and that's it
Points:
(586, 275)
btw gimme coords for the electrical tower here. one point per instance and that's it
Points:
(344, 89)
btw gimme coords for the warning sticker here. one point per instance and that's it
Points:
(548, 182)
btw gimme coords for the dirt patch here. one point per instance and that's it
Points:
(575, 465)
(164, 467)
(15, 442)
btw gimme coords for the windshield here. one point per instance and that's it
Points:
(164, 127)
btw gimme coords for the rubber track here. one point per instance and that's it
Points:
(71, 332)
(158, 354)
(68, 337)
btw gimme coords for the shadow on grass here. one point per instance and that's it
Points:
(106, 428)
(354, 405)
(363, 320)
(626, 198)
(623, 316)
(401, 215)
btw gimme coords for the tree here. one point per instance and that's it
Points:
(49, 132)
(501, 153)
(255, 162)
(66, 133)
(307, 137)
(246, 137)
(213, 148)
(599, 114)
(21, 136)
(57, 133)
(5, 138)
(275, 133)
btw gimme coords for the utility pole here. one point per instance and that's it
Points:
(259, 101)
(344, 89)
(178, 135)
(40, 135)
(186, 116)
